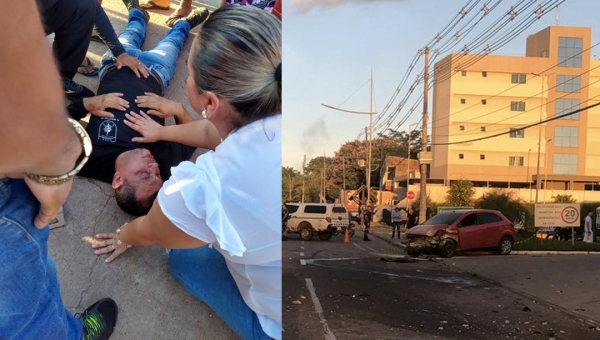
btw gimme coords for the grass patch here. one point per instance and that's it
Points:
(534, 243)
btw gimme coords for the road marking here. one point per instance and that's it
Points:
(358, 246)
(371, 249)
(303, 262)
(302, 242)
(313, 295)
(302, 248)
(301, 254)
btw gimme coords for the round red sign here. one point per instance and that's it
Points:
(410, 195)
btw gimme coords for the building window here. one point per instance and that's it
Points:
(566, 136)
(565, 163)
(516, 160)
(483, 129)
(483, 101)
(461, 127)
(571, 84)
(463, 73)
(517, 106)
(484, 74)
(517, 133)
(563, 106)
(569, 51)
(461, 156)
(518, 78)
(463, 101)
(481, 156)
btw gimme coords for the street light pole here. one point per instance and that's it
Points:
(537, 176)
(546, 169)
(528, 179)
(370, 142)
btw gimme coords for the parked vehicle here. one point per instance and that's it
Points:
(448, 232)
(321, 219)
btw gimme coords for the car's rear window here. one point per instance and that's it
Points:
(443, 218)
(315, 209)
(292, 208)
(339, 210)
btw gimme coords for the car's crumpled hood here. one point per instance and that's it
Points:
(425, 230)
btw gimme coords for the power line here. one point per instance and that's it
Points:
(522, 128)
(523, 112)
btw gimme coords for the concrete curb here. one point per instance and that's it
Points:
(553, 252)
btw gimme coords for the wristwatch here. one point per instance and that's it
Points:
(86, 144)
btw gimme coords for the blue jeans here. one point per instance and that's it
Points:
(30, 303)
(203, 272)
(162, 58)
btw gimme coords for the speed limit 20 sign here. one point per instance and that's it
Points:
(557, 215)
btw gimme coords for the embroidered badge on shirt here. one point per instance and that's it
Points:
(108, 131)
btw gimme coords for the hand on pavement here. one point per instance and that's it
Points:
(109, 244)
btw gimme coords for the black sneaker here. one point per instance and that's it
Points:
(198, 16)
(99, 320)
(75, 91)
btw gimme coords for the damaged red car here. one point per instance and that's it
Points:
(448, 232)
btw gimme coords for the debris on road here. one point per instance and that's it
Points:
(296, 302)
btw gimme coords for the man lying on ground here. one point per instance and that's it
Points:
(137, 173)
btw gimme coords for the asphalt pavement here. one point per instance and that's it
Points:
(336, 290)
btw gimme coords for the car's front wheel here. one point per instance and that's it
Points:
(447, 248)
(505, 246)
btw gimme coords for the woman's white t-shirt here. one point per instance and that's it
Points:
(231, 199)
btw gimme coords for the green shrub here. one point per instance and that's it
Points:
(503, 201)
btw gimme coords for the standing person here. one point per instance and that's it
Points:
(225, 248)
(403, 220)
(412, 219)
(34, 185)
(72, 22)
(396, 218)
(368, 215)
(587, 228)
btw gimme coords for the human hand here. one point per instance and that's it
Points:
(51, 198)
(142, 123)
(159, 106)
(98, 104)
(109, 244)
(133, 63)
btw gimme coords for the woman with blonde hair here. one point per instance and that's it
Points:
(220, 216)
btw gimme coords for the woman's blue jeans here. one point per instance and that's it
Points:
(31, 307)
(203, 272)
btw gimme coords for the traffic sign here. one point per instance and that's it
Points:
(557, 215)
(410, 195)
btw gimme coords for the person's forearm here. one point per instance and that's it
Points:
(77, 109)
(200, 134)
(106, 32)
(35, 135)
(135, 234)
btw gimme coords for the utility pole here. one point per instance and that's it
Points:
(324, 189)
(303, 177)
(423, 167)
(343, 200)
(370, 142)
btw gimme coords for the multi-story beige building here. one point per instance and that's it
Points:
(478, 96)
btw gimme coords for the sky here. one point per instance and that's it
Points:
(330, 47)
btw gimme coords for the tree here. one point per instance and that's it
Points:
(402, 138)
(291, 184)
(460, 194)
(564, 199)
(504, 202)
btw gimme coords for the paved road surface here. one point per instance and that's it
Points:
(334, 290)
